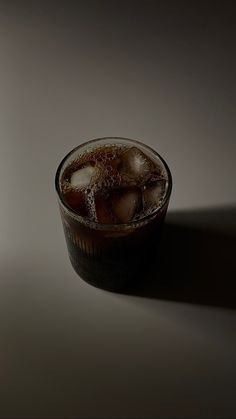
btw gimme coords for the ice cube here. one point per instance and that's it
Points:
(77, 201)
(134, 165)
(126, 204)
(82, 177)
(118, 206)
(153, 194)
(103, 209)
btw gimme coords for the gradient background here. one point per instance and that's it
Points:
(162, 72)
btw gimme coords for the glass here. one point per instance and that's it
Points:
(111, 256)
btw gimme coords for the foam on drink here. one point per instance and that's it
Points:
(114, 184)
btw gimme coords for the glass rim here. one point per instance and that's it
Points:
(94, 224)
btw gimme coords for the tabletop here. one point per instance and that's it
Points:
(162, 73)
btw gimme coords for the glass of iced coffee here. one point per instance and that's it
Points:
(113, 195)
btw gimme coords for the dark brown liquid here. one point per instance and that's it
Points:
(113, 185)
(111, 257)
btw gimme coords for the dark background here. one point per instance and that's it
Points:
(162, 72)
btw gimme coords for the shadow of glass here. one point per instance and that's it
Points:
(197, 259)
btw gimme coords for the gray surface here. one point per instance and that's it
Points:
(164, 74)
